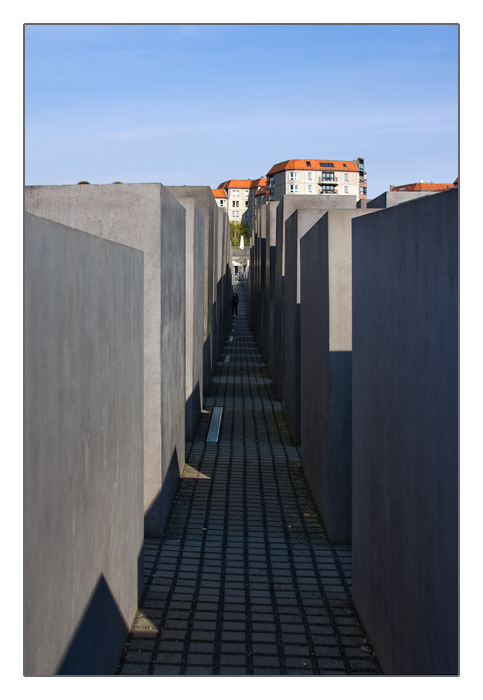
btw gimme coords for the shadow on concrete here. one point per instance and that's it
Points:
(157, 514)
(99, 639)
(193, 407)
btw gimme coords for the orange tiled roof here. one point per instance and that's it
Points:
(262, 191)
(261, 182)
(424, 187)
(314, 165)
(242, 184)
(219, 194)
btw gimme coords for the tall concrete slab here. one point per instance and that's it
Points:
(204, 197)
(326, 367)
(287, 205)
(83, 448)
(296, 226)
(147, 217)
(271, 222)
(195, 268)
(405, 433)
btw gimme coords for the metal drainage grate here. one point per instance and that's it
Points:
(215, 424)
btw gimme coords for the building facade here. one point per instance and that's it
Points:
(238, 198)
(318, 177)
(221, 198)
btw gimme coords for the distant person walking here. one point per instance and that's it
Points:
(234, 308)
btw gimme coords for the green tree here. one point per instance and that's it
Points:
(237, 230)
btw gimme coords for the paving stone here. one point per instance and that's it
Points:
(167, 657)
(199, 659)
(134, 669)
(138, 657)
(234, 659)
(198, 671)
(166, 670)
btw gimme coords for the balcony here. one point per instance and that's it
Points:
(328, 178)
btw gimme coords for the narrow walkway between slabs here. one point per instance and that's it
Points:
(244, 580)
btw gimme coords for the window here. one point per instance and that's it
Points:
(235, 193)
(345, 166)
(246, 203)
(328, 188)
(307, 163)
(272, 191)
(328, 176)
(236, 214)
(294, 188)
(346, 190)
(222, 202)
(361, 190)
(309, 188)
(326, 165)
(246, 193)
(309, 176)
(235, 203)
(346, 177)
(293, 176)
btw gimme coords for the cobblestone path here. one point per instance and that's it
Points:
(244, 580)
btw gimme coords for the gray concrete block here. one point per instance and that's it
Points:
(204, 197)
(405, 433)
(271, 221)
(295, 227)
(391, 199)
(326, 367)
(147, 217)
(83, 448)
(287, 205)
(195, 268)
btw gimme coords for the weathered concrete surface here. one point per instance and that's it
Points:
(266, 347)
(326, 367)
(147, 217)
(287, 205)
(204, 197)
(224, 281)
(259, 310)
(391, 199)
(195, 250)
(295, 227)
(83, 448)
(405, 433)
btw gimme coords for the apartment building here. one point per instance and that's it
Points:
(221, 198)
(318, 177)
(260, 197)
(257, 186)
(237, 196)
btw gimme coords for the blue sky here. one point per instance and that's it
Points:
(199, 104)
